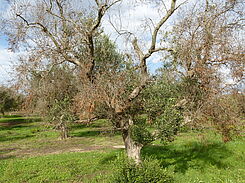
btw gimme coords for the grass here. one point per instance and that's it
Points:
(193, 159)
(31, 152)
(67, 167)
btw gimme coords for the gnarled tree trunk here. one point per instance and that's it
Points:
(63, 131)
(133, 148)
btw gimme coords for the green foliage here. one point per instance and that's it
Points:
(150, 170)
(168, 123)
(160, 95)
(160, 105)
(141, 135)
(139, 132)
(61, 110)
(107, 58)
(9, 100)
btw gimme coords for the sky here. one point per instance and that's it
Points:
(6, 57)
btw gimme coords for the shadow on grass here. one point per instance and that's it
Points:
(108, 159)
(194, 156)
(10, 116)
(11, 126)
(90, 133)
(9, 123)
(85, 125)
(77, 126)
(13, 138)
(15, 127)
(93, 133)
(5, 157)
(111, 157)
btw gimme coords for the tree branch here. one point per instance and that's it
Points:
(101, 12)
(142, 57)
(159, 25)
(50, 35)
(137, 49)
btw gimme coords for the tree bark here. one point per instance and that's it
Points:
(63, 131)
(133, 148)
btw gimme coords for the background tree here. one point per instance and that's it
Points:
(54, 32)
(224, 114)
(9, 100)
(51, 93)
(207, 42)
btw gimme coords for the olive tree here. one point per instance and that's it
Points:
(208, 42)
(60, 31)
(9, 99)
(50, 94)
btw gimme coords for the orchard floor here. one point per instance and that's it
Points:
(30, 151)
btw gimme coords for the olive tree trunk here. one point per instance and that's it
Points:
(133, 148)
(63, 131)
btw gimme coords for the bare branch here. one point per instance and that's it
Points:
(50, 35)
(109, 6)
(97, 2)
(101, 12)
(142, 57)
(159, 25)
(137, 49)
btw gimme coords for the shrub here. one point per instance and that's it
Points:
(126, 171)
(225, 116)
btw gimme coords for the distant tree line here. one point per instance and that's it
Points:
(10, 100)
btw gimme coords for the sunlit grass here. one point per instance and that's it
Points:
(68, 167)
(31, 152)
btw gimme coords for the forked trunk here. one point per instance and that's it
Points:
(133, 148)
(63, 131)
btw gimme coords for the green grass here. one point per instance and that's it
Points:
(22, 130)
(29, 136)
(31, 152)
(68, 167)
(196, 160)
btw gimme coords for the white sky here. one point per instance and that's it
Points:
(5, 55)
(6, 59)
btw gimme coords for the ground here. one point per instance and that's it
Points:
(30, 151)
(28, 136)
